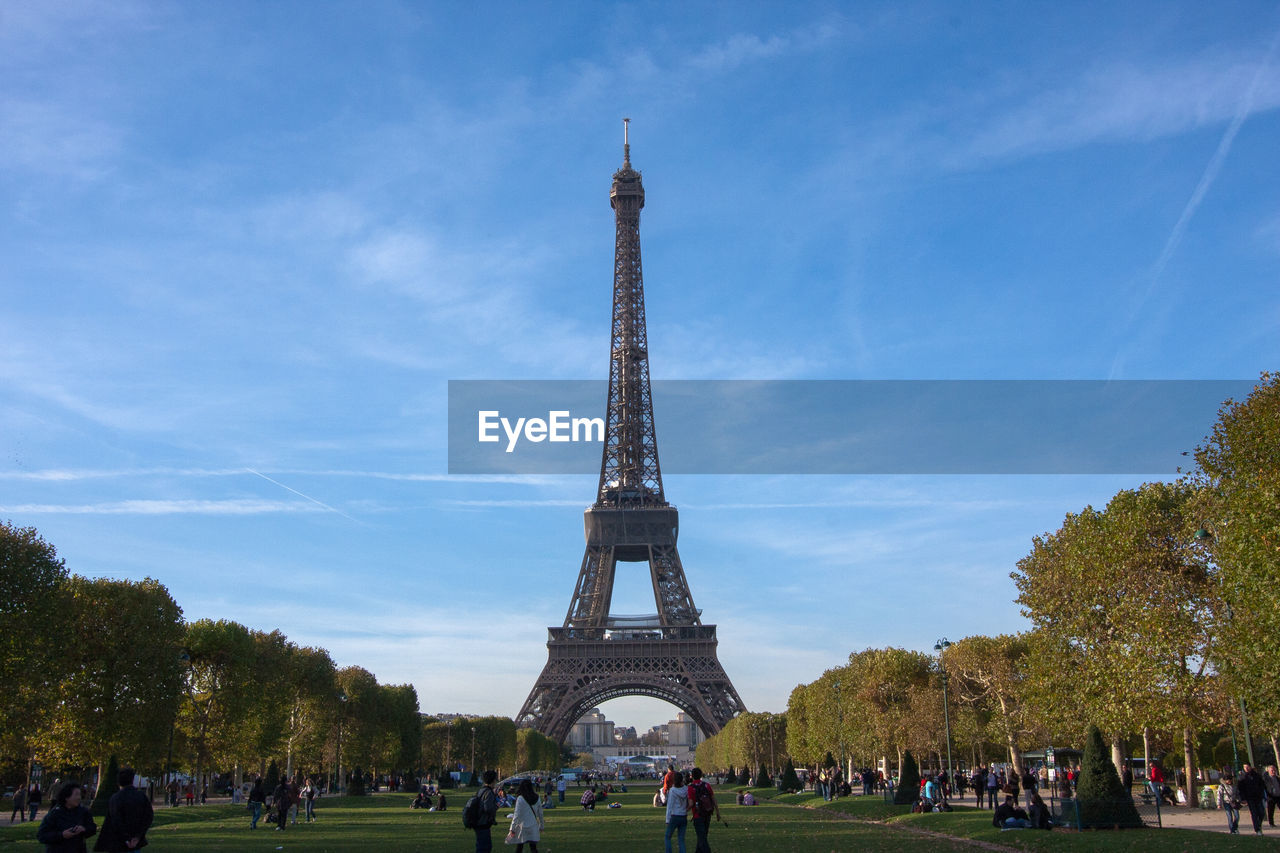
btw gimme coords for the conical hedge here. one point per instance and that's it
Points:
(908, 790)
(1104, 803)
(790, 781)
(762, 780)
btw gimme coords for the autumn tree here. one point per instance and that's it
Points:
(120, 678)
(988, 676)
(1239, 477)
(31, 579)
(1126, 597)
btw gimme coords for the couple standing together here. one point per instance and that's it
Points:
(696, 800)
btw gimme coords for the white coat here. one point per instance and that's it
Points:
(527, 823)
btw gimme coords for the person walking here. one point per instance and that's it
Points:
(488, 813)
(33, 799)
(129, 816)
(677, 811)
(1272, 783)
(527, 823)
(1252, 790)
(257, 797)
(280, 802)
(295, 797)
(703, 805)
(1229, 801)
(19, 805)
(309, 800)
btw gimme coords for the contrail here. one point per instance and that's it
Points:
(1211, 171)
(301, 495)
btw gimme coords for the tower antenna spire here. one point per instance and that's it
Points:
(626, 142)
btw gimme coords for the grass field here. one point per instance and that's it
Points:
(384, 823)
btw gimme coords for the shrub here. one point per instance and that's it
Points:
(762, 780)
(272, 779)
(1103, 801)
(908, 790)
(790, 781)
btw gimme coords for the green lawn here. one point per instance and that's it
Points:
(384, 823)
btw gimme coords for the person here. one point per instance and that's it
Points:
(1251, 789)
(703, 807)
(993, 785)
(488, 813)
(677, 810)
(1009, 815)
(667, 779)
(295, 797)
(561, 784)
(1038, 812)
(19, 805)
(748, 799)
(173, 793)
(257, 796)
(309, 799)
(527, 823)
(1229, 801)
(67, 824)
(128, 818)
(1272, 783)
(421, 801)
(440, 805)
(929, 795)
(33, 799)
(280, 802)
(588, 800)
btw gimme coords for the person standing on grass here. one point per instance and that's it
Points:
(280, 802)
(488, 813)
(67, 824)
(527, 824)
(677, 811)
(561, 784)
(34, 796)
(309, 799)
(257, 797)
(129, 816)
(703, 806)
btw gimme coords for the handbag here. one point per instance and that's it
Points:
(512, 837)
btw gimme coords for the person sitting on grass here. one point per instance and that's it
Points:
(1038, 812)
(748, 799)
(588, 800)
(1010, 816)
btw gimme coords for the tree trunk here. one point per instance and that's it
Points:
(1189, 756)
(1117, 753)
(1015, 754)
(97, 789)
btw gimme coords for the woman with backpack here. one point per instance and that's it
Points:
(677, 811)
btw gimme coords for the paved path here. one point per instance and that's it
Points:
(1211, 820)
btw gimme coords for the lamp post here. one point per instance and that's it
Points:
(448, 748)
(1204, 536)
(473, 750)
(940, 647)
(342, 714)
(840, 725)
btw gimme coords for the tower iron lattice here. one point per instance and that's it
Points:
(595, 656)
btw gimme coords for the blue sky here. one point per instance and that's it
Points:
(246, 245)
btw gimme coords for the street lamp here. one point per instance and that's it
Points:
(940, 647)
(342, 697)
(448, 748)
(1204, 536)
(840, 725)
(473, 750)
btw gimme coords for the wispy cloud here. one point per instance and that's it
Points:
(165, 507)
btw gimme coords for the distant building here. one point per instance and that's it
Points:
(673, 742)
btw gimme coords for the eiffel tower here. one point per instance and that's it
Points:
(596, 656)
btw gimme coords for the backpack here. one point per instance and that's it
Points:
(703, 800)
(472, 813)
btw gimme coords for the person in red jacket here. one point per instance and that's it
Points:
(703, 807)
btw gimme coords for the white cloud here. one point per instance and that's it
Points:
(166, 507)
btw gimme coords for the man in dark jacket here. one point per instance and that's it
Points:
(129, 817)
(280, 802)
(488, 813)
(1252, 790)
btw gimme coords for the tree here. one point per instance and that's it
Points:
(218, 687)
(790, 781)
(1127, 598)
(31, 579)
(908, 790)
(120, 680)
(1237, 472)
(1103, 800)
(988, 674)
(107, 785)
